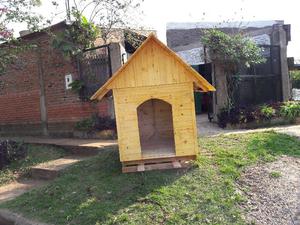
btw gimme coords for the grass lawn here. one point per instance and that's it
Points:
(36, 154)
(95, 191)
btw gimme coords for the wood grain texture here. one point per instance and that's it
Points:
(153, 64)
(179, 96)
(154, 105)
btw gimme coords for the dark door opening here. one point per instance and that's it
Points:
(203, 101)
(155, 122)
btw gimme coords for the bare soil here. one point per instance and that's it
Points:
(272, 192)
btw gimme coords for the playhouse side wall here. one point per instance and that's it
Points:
(180, 96)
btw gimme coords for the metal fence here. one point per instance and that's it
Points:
(261, 83)
(95, 69)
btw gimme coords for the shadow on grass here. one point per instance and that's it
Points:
(92, 191)
(96, 192)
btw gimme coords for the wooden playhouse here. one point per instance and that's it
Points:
(154, 105)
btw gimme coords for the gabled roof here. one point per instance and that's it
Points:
(198, 80)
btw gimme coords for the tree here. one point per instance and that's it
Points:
(231, 52)
(108, 14)
(15, 11)
(84, 18)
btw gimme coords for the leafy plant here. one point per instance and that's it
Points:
(11, 151)
(105, 123)
(290, 110)
(15, 11)
(267, 112)
(85, 124)
(231, 51)
(96, 123)
(77, 85)
(81, 34)
(236, 115)
(295, 78)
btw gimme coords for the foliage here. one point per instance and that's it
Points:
(231, 51)
(96, 123)
(85, 124)
(15, 11)
(11, 151)
(275, 174)
(267, 111)
(77, 85)
(295, 78)
(290, 110)
(34, 154)
(96, 192)
(78, 36)
(234, 115)
(105, 123)
(109, 14)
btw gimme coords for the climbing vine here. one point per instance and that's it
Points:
(231, 52)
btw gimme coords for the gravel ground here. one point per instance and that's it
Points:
(272, 192)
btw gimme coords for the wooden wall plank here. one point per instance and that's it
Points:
(180, 96)
(153, 66)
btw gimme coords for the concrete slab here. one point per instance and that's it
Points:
(95, 143)
(17, 188)
(52, 169)
(206, 128)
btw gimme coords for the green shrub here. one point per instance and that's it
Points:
(96, 123)
(85, 124)
(295, 78)
(77, 85)
(267, 112)
(290, 110)
(11, 151)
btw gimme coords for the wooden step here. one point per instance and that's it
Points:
(17, 188)
(52, 169)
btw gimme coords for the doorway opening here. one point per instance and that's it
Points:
(155, 122)
(203, 101)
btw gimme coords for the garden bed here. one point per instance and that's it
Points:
(264, 123)
(96, 128)
(33, 155)
(102, 135)
(281, 113)
(96, 192)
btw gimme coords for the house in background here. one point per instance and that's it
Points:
(35, 96)
(263, 83)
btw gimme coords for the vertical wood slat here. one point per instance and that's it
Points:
(180, 96)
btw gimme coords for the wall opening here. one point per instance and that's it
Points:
(156, 132)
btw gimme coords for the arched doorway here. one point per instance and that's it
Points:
(155, 123)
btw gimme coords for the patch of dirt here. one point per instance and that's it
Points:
(272, 192)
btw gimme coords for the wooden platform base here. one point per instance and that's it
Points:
(157, 164)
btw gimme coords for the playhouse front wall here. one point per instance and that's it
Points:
(180, 96)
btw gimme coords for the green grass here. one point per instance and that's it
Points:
(96, 192)
(275, 174)
(36, 154)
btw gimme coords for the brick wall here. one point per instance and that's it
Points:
(20, 93)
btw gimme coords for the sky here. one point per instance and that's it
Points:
(157, 13)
